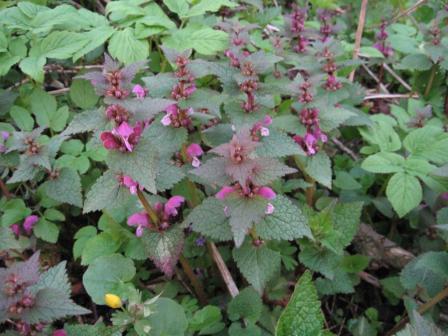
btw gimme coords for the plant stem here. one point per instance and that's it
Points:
(198, 288)
(309, 192)
(430, 81)
(358, 37)
(421, 310)
(222, 267)
(152, 214)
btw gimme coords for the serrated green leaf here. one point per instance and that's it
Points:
(383, 163)
(60, 45)
(165, 248)
(404, 193)
(302, 316)
(22, 118)
(66, 188)
(46, 230)
(140, 165)
(319, 168)
(55, 277)
(209, 219)
(86, 121)
(33, 67)
(135, 50)
(257, 264)
(285, 223)
(278, 145)
(106, 193)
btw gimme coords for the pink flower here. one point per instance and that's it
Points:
(123, 137)
(129, 183)
(269, 209)
(224, 192)
(172, 205)
(139, 91)
(262, 127)
(266, 193)
(140, 220)
(5, 135)
(59, 332)
(177, 117)
(193, 152)
(29, 223)
(15, 228)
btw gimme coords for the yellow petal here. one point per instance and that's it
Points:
(112, 300)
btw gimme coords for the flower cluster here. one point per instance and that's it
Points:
(166, 213)
(332, 83)
(249, 191)
(129, 183)
(177, 117)
(26, 227)
(309, 117)
(194, 151)
(260, 128)
(122, 138)
(326, 26)
(381, 43)
(297, 27)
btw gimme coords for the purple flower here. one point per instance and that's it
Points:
(15, 228)
(5, 135)
(132, 185)
(139, 91)
(29, 223)
(200, 241)
(193, 152)
(140, 220)
(224, 192)
(177, 117)
(266, 193)
(123, 137)
(172, 205)
(59, 332)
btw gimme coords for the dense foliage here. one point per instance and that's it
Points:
(223, 167)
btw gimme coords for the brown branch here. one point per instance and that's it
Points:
(369, 278)
(222, 267)
(59, 91)
(5, 190)
(408, 11)
(421, 310)
(345, 149)
(198, 288)
(397, 77)
(375, 77)
(380, 248)
(358, 36)
(391, 96)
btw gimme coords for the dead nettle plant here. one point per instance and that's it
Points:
(204, 145)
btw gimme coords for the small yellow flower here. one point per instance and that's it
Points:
(112, 300)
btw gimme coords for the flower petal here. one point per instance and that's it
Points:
(267, 193)
(172, 204)
(224, 192)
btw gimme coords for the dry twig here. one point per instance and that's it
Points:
(358, 37)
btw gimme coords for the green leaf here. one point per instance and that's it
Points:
(204, 40)
(60, 45)
(59, 119)
(7, 239)
(102, 244)
(258, 264)
(246, 305)
(55, 277)
(277, 145)
(208, 321)
(66, 188)
(86, 121)
(180, 7)
(209, 219)
(346, 220)
(208, 6)
(383, 163)
(428, 142)
(22, 118)
(105, 273)
(95, 37)
(164, 248)
(106, 193)
(51, 304)
(319, 259)
(46, 230)
(354, 263)
(244, 213)
(319, 168)
(43, 106)
(168, 319)
(302, 316)
(125, 47)
(427, 271)
(33, 67)
(140, 165)
(285, 223)
(419, 62)
(404, 193)
(371, 52)
(83, 94)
